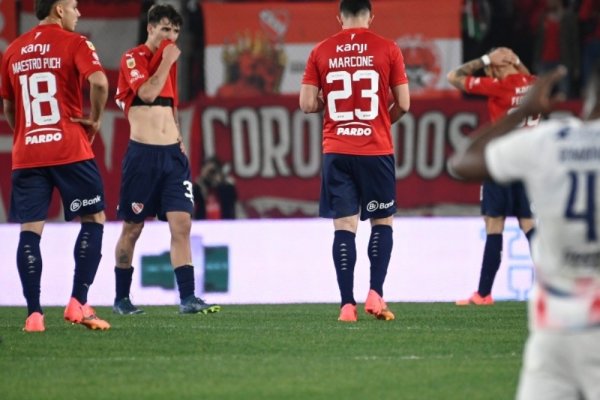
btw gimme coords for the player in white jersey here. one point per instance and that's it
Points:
(562, 355)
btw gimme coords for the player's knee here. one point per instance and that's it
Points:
(98, 218)
(132, 231)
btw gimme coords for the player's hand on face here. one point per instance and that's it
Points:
(171, 53)
(539, 99)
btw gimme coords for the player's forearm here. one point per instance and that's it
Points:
(311, 100)
(401, 103)
(396, 113)
(150, 90)
(458, 76)
(98, 98)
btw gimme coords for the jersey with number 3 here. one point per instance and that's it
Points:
(42, 73)
(355, 69)
(564, 186)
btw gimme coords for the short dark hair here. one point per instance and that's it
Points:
(354, 7)
(43, 8)
(159, 11)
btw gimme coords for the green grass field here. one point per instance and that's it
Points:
(299, 351)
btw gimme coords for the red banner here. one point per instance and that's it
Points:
(264, 49)
(273, 151)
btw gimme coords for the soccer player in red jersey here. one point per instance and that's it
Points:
(505, 86)
(156, 177)
(350, 76)
(42, 71)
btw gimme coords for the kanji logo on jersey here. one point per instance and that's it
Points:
(41, 48)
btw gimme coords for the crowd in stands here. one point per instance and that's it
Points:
(544, 33)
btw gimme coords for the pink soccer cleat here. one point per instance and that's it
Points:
(84, 315)
(35, 323)
(377, 307)
(477, 300)
(348, 313)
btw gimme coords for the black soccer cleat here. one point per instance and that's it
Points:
(194, 305)
(124, 307)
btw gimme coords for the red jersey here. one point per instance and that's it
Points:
(503, 94)
(42, 73)
(355, 69)
(137, 66)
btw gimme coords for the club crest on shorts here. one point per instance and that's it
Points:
(137, 207)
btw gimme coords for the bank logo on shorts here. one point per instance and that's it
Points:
(374, 205)
(77, 203)
(137, 207)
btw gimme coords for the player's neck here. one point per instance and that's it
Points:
(151, 46)
(356, 23)
(51, 20)
(355, 26)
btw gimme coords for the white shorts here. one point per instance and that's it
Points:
(559, 365)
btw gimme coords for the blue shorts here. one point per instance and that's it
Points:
(504, 200)
(351, 184)
(79, 185)
(155, 179)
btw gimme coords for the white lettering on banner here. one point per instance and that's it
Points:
(431, 137)
(428, 134)
(276, 145)
(265, 140)
(261, 150)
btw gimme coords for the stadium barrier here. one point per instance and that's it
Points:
(280, 261)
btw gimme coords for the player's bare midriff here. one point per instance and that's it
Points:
(153, 125)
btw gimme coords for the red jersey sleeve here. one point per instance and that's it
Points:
(398, 71)
(134, 69)
(484, 86)
(311, 73)
(86, 59)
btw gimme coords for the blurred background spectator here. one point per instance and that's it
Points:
(215, 195)
(556, 42)
(589, 18)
